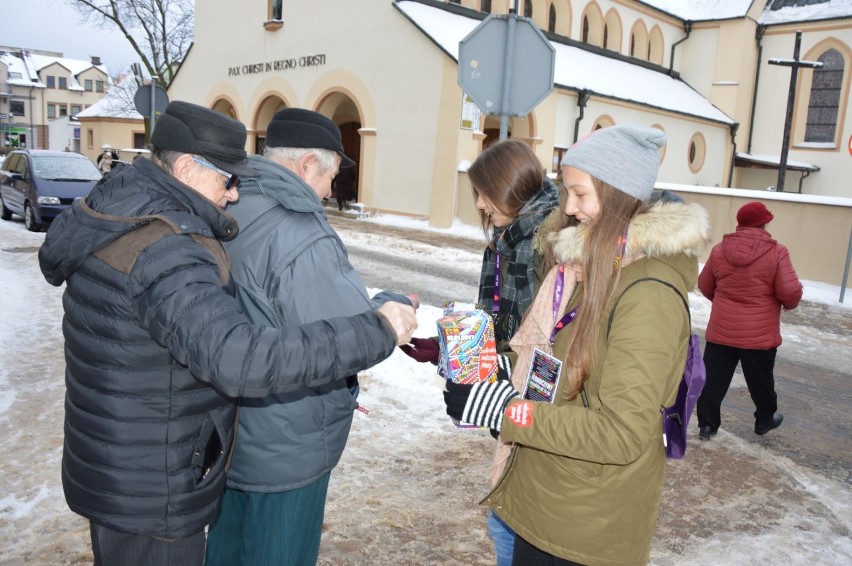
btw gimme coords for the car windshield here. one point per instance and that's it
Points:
(60, 167)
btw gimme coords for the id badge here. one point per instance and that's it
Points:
(543, 377)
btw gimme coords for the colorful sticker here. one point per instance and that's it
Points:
(520, 414)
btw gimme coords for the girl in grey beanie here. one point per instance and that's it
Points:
(608, 331)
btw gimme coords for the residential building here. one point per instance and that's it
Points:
(113, 121)
(39, 86)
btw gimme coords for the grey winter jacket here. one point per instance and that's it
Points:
(156, 347)
(290, 267)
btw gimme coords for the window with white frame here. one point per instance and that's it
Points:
(824, 102)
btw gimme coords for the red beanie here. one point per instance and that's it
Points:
(753, 214)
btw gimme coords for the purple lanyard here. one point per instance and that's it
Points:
(495, 305)
(568, 317)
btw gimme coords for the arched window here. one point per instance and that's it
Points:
(528, 8)
(485, 6)
(585, 36)
(825, 98)
(551, 20)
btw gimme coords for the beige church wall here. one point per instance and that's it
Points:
(691, 56)
(404, 134)
(812, 258)
(733, 82)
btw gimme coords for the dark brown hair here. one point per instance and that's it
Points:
(508, 174)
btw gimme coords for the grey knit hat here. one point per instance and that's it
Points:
(626, 157)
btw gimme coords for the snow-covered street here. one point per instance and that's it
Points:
(408, 487)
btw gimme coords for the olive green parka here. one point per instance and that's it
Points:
(584, 479)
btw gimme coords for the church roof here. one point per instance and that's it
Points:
(578, 69)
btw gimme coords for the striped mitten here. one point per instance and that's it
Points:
(487, 402)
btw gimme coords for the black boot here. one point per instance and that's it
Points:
(776, 421)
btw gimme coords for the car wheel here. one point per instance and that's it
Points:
(29, 219)
(5, 213)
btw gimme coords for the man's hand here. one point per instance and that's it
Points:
(401, 319)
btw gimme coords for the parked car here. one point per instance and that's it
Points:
(39, 184)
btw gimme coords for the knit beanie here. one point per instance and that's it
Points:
(753, 214)
(626, 157)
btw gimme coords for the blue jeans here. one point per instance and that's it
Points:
(503, 537)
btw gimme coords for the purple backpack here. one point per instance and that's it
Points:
(676, 417)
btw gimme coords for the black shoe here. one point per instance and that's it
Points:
(776, 421)
(705, 432)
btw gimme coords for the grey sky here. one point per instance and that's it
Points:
(53, 25)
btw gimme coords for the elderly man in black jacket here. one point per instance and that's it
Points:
(156, 347)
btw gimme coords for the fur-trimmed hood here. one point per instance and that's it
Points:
(665, 229)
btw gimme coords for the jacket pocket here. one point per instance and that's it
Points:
(209, 453)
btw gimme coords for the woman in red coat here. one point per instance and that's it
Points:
(749, 278)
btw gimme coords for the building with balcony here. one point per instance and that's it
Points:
(39, 86)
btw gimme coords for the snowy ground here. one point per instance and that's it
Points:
(407, 489)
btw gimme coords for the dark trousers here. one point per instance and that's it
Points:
(721, 362)
(112, 548)
(528, 555)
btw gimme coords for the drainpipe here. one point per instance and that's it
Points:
(687, 29)
(734, 127)
(582, 100)
(759, 37)
(32, 143)
(805, 175)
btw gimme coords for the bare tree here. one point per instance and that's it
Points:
(160, 31)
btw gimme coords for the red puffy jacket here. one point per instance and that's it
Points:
(748, 278)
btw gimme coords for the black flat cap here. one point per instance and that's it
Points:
(297, 127)
(190, 128)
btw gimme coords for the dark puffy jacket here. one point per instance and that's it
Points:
(748, 277)
(155, 348)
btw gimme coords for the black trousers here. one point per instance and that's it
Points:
(721, 362)
(112, 548)
(526, 554)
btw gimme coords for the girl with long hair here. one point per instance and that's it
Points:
(513, 197)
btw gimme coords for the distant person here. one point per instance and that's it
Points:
(609, 326)
(749, 279)
(514, 198)
(344, 183)
(290, 267)
(105, 162)
(67, 149)
(157, 348)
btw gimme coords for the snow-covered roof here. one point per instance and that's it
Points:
(832, 9)
(774, 162)
(577, 68)
(116, 103)
(702, 10)
(29, 64)
(17, 65)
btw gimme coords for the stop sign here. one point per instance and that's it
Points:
(482, 65)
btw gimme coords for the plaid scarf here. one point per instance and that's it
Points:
(518, 260)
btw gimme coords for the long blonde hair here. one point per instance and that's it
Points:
(604, 246)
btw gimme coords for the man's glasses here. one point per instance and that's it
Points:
(231, 181)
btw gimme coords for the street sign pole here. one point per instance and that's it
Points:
(506, 66)
(508, 61)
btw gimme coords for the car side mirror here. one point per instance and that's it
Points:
(16, 177)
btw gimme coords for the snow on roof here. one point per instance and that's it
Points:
(116, 103)
(702, 10)
(17, 64)
(775, 160)
(29, 64)
(833, 9)
(579, 69)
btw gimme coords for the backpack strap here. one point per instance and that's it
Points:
(666, 283)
